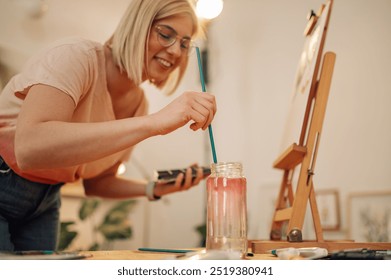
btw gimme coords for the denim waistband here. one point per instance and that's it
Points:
(4, 168)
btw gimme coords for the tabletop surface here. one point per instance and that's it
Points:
(142, 255)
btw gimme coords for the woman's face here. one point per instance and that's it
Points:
(163, 56)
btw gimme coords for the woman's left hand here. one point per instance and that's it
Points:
(183, 182)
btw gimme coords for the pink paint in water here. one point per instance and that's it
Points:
(226, 212)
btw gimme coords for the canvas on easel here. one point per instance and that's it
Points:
(306, 77)
(300, 147)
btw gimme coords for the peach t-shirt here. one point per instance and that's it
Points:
(76, 67)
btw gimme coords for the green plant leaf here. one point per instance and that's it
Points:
(87, 208)
(94, 247)
(201, 229)
(115, 224)
(119, 212)
(116, 231)
(66, 236)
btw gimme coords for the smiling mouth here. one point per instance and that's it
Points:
(164, 62)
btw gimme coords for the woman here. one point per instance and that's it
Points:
(77, 110)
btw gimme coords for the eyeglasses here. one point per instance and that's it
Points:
(167, 37)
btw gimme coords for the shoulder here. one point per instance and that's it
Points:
(76, 42)
(72, 46)
(69, 55)
(68, 64)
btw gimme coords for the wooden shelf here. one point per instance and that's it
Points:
(291, 157)
(74, 190)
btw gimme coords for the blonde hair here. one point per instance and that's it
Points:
(130, 39)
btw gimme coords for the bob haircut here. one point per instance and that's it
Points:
(130, 39)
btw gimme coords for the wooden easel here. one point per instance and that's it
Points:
(291, 204)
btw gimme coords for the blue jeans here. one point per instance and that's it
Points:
(29, 213)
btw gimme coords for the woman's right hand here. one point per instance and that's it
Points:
(198, 107)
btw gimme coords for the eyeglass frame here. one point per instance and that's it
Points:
(160, 37)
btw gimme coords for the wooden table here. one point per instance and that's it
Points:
(141, 255)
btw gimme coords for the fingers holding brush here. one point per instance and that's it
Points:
(204, 111)
(195, 107)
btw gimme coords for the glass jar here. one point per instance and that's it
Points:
(226, 227)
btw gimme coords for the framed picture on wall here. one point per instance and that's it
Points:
(329, 209)
(369, 216)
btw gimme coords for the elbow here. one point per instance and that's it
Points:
(88, 192)
(88, 189)
(24, 158)
(23, 163)
(31, 152)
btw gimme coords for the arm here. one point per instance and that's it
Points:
(45, 138)
(109, 185)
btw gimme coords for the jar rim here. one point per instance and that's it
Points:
(226, 163)
(227, 169)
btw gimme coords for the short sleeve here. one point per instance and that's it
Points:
(68, 67)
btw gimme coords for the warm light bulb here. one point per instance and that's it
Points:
(209, 9)
(121, 169)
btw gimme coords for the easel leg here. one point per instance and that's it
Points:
(284, 200)
(315, 215)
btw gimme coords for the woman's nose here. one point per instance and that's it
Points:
(175, 49)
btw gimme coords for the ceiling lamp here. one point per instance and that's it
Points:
(209, 9)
